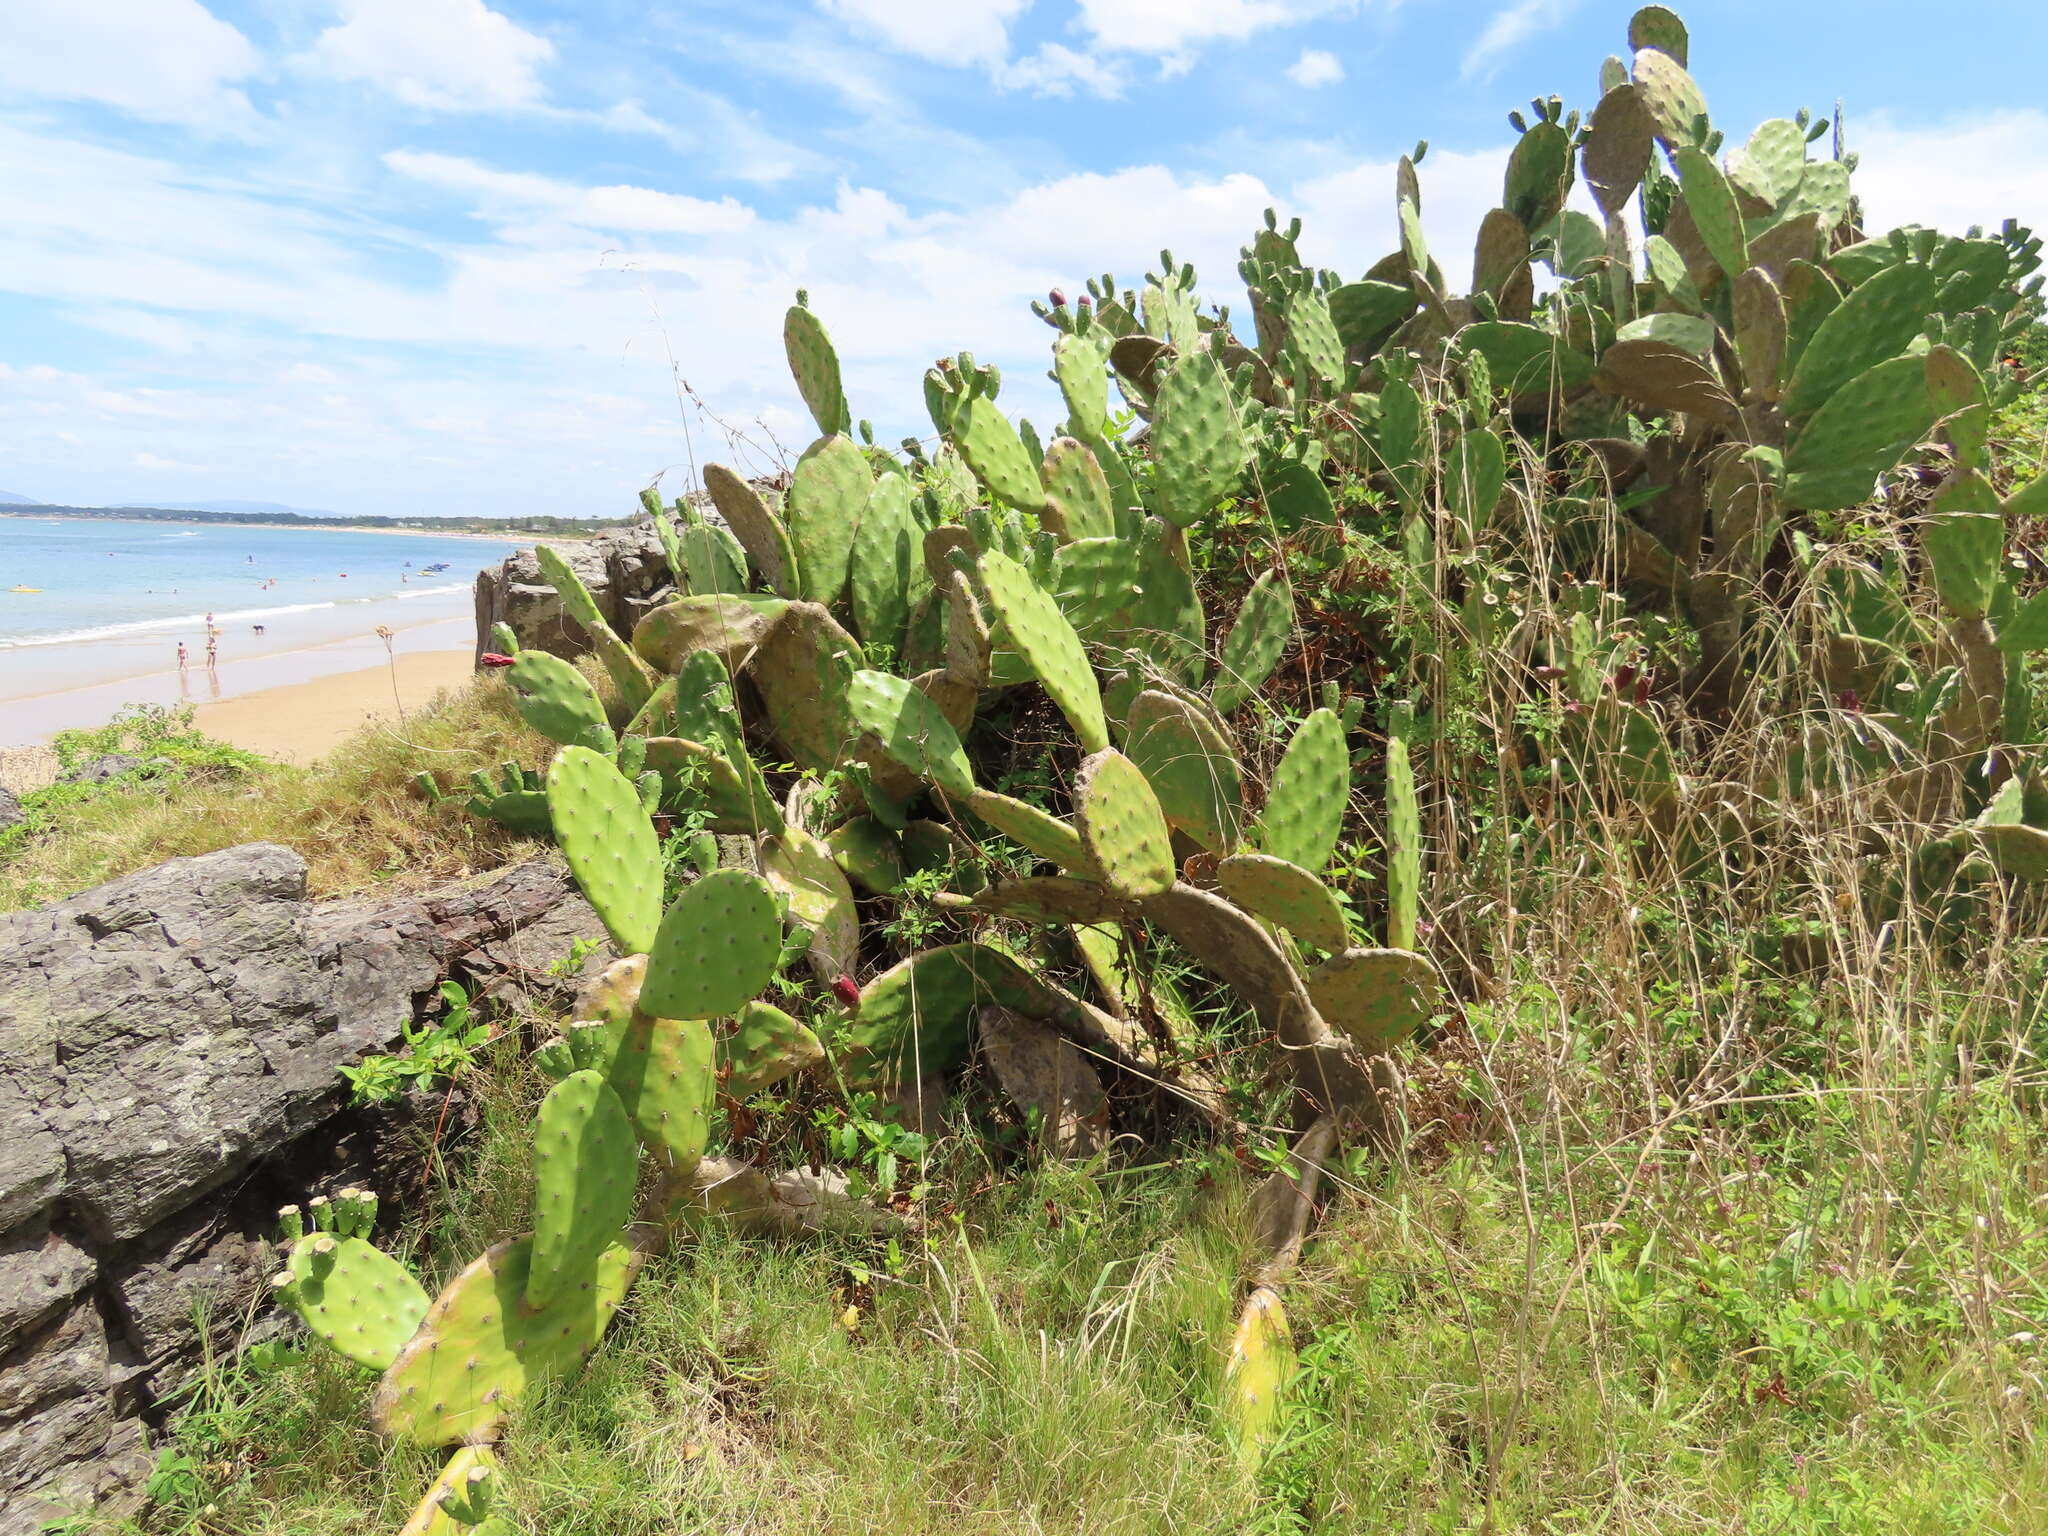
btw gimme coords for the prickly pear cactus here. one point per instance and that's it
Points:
(1047, 642)
(1265, 624)
(609, 844)
(480, 1346)
(1377, 997)
(718, 945)
(1188, 758)
(1305, 802)
(353, 1296)
(456, 1494)
(558, 701)
(584, 1168)
(765, 1046)
(815, 364)
(1256, 1375)
(1122, 827)
(1285, 895)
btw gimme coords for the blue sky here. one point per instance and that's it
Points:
(457, 256)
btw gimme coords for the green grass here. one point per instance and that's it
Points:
(1818, 1310)
(355, 817)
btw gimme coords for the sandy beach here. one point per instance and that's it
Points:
(300, 722)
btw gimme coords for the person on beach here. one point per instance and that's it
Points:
(182, 657)
(212, 649)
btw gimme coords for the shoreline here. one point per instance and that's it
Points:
(508, 537)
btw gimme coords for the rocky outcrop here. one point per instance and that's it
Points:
(170, 1046)
(624, 568)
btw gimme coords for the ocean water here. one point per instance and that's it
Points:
(100, 578)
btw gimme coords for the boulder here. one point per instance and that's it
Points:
(170, 1046)
(11, 813)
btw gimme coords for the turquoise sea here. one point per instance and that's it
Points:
(101, 578)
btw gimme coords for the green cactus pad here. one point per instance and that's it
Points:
(1657, 26)
(1051, 899)
(662, 1072)
(557, 700)
(916, 1019)
(727, 624)
(1188, 758)
(1863, 429)
(802, 668)
(868, 853)
(996, 454)
(1256, 1375)
(1670, 95)
(911, 728)
(1285, 895)
(758, 529)
(1095, 581)
(888, 563)
(584, 1170)
(814, 364)
(632, 680)
(1715, 214)
(480, 1346)
(1877, 320)
(1305, 802)
(1965, 540)
(1404, 843)
(1047, 642)
(1252, 648)
(1365, 312)
(1376, 997)
(1045, 836)
(1475, 472)
(355, 1298)
(609, 843)
(1073, 478)
(766, 1046)
(718, 945)
(1760, 332)
(800, 869)
(734, 792)
(827, 497)
(1122, 827)
(1620, 138)
(1539, 174)
(433, 1515)
(1166, 620)
(1525, 360)
(1198, 447)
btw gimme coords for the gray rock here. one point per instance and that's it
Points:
(110, 766)
(169, 1054)
(11, 814)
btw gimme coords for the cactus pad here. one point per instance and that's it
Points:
(557, 700)
(1198, 448)
(1378, 997)
(1305, 802)
(888, 563)
(1877, 320)
(911, 728)
(1048, 644)
(1670, 95)
(1073, 478)
(1256, 1375)
(868, 853)
(827, 497)
(1286, 895)
(766, 1046)
(454, 1487)
(801, 870)
(814, 363)
(728, 624)
(916, 1019)
(1265, 623)
(662, 1072)
(627, 674)
(717, 946)
(1190, 761)
(584, 1169)
(995, 453)
(1166, 619)
(609, 844)
(480, 1346)
(1051, 899)
(1024, 824)
(1122, 828)
(801, 668)
(758, 529)
(354, 1297)
(1404, 843)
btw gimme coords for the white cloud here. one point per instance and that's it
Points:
(439, 55)
(1055, 70)
(509, 195)
(1508, 30)
(1169, 28)
(944, 31)
(1981, 170)
(1316, 67)
(164, 60)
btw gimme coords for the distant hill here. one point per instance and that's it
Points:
(496, 527)
(243, 508)
(13, 500)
